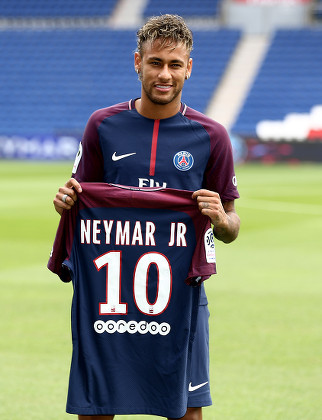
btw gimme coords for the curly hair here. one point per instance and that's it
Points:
(169, 29)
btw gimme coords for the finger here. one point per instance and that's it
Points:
(205, 208)
(60, 205)
(202, 193)
(210, 203)
(66, 199)
(208, 212)
(73, 183)
(66, 196)
(204, 204)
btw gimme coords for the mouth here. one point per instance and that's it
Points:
(163, 88)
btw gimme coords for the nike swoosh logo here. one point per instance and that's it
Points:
(194, 388)
(115, 158)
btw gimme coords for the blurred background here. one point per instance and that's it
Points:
(257, 70)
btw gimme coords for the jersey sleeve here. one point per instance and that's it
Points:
(89, 163)
(61, 251)
(203, 262)
(220, 174)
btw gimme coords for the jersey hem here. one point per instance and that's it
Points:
(199, 403)
(117, 411)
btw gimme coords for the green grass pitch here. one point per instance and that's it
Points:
(265, 303)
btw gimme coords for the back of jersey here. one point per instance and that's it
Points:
(129, 254)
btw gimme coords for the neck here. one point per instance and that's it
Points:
(156, 111)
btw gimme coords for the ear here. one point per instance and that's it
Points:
(137, 62)
(189, 68)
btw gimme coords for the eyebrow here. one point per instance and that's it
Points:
(160, 60)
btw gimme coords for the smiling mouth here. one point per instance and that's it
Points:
(163, 87)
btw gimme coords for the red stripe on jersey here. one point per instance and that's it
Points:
(154, 146)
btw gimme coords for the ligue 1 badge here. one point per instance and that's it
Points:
(183, 161)
(210, 246)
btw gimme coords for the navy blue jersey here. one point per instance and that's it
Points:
(131, 255)
(188, 151)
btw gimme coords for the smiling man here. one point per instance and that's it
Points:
(155, 141)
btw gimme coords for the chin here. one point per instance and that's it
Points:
(159, 100)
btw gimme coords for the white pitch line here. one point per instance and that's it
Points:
(280, 206)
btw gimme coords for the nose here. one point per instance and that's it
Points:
(165, 73)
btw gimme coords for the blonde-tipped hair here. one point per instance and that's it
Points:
(169, 29)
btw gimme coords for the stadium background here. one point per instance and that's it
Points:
(257, 70)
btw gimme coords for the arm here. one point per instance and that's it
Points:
(223, 216)
(71, 188)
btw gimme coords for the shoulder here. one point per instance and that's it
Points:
(213, 127)
(101, 114)
(217, 133)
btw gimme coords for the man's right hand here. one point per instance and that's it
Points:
(67, 195)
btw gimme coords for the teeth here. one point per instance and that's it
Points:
(162, 87)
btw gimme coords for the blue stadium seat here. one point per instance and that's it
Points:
(52, 80)
(187, 8)
(289, 80)
(56, 8)
(211, 54)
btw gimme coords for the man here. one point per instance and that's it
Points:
(154, 141)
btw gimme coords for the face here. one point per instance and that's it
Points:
(163, 71)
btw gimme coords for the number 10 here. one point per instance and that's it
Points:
(112, 260)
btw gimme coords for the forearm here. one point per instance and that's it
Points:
(228, 231)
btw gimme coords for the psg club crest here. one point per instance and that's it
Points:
(183, 161)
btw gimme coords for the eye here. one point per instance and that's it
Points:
(176, 65)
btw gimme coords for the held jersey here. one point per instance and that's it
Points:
(132, 255)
